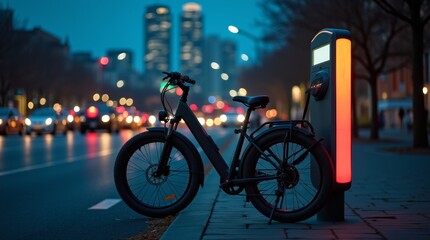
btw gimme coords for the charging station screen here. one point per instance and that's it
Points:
(321, 54)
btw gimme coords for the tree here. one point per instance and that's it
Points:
(373, 33)
(280, 71)
(417, 14)
(7, 44)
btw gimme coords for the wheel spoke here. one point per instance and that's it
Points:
(294, 194)
(157, 192)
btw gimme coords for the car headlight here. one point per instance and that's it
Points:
(152, 119)
(223, 118)
(27, 122)
(105, 118)
(129, 119)
(70, 118)
(136, 119)
(48, 121)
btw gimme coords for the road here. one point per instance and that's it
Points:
(61, 187)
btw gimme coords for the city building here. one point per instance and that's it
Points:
(191, 40)
(120, 59)
(119, 71)
(394, 92)
(211, 83)
(395, 95)
(157, 41)
(191, 46)
(220, 67)
(32, 63)
(229, 68)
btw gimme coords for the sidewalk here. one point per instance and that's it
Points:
(389, 199)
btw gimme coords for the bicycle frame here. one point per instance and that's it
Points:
(203, 138)
(211, 149)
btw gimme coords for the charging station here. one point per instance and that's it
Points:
(330, 109)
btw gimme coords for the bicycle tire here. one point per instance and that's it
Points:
(148, 195)
(306, 186)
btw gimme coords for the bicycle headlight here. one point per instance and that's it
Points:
(240, 118)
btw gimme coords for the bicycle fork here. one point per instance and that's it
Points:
(163, 168)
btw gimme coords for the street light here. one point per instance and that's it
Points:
(215, 65)
(103, 63)
(233, 29)
(236, 30)
(296, 97)
(120, 83)
(244, 57)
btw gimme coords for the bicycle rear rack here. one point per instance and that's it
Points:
(301, 124)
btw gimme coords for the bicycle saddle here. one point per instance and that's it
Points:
(253, 101)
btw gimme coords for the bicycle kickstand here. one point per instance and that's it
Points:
(278, 196)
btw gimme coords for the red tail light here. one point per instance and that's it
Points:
(92, 112)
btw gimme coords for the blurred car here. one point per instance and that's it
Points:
(99, 116)
(232, 119)
(11, 121)
(131, 118)
(46, 120)
(73, 119)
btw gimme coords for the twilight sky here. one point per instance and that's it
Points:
(99, 25)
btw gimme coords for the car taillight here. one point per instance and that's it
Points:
(92, 112)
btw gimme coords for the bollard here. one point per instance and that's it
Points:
(331, 110)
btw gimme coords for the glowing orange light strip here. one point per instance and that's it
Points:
(343, 110)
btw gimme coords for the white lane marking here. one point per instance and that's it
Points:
(105, 204)
(56, 163)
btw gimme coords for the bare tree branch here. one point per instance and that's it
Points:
(386, 6)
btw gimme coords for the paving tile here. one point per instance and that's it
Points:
(310, 234)
(389, 199)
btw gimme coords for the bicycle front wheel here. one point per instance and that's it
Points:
(141, 189)
(301, 187)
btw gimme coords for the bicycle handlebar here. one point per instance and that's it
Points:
(178, 76)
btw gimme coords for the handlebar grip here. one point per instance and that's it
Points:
(188, 79)
(178, 76)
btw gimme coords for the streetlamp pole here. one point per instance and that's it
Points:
(426, 101)
(425, 92)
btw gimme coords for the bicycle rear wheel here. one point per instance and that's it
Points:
(301, 188)
(147, 194)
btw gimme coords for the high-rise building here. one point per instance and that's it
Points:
(229, 68)
(191, 46)
(211, 66)
(220, 68)
(119, 71)
(157, 39)
(191, 42)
